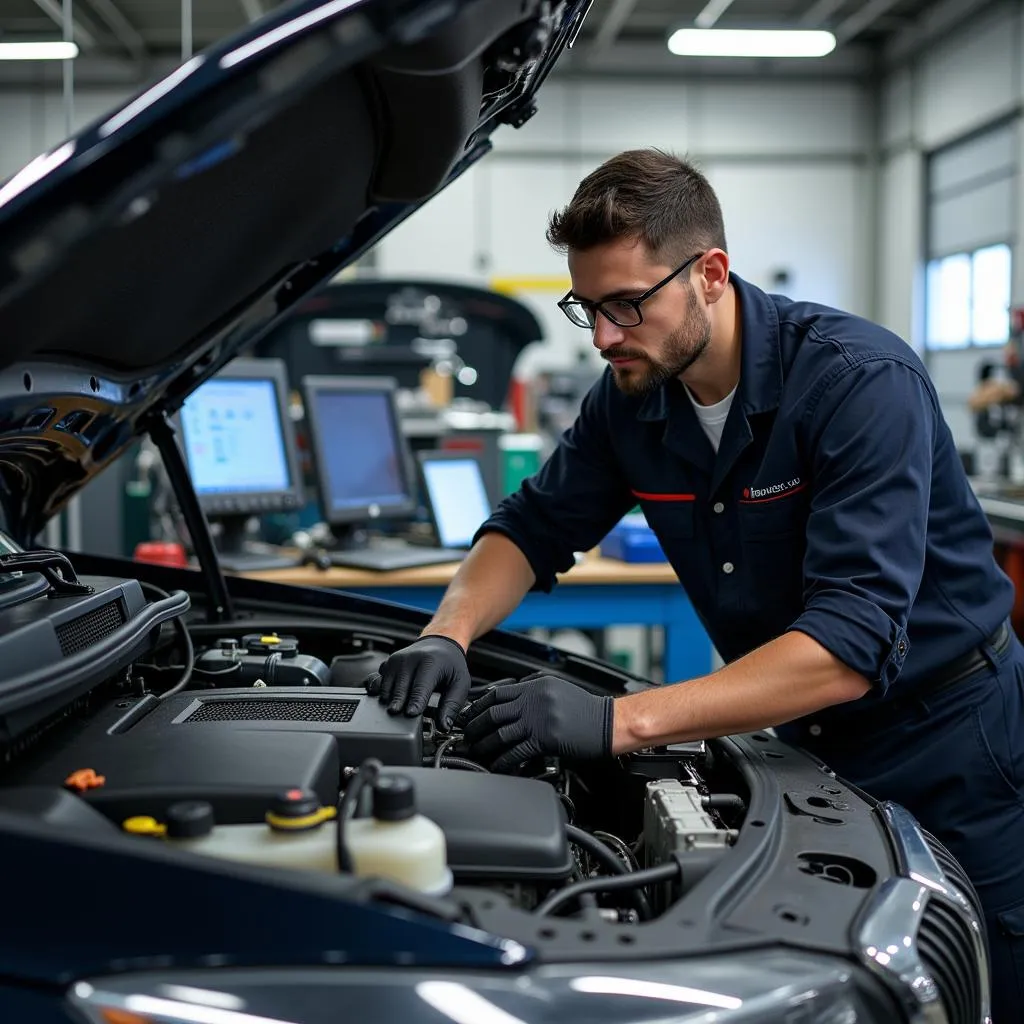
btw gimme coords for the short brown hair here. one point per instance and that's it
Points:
(643, 194)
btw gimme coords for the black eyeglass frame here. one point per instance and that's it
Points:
(593, 308)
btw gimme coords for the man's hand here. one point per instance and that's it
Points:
(408, 678)
(542, 714)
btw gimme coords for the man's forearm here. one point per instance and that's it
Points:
(787, 678)
(488, 587)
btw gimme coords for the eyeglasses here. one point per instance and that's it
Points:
(621, 312)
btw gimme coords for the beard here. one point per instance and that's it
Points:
(680, 350)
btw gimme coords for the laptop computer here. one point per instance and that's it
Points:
(456, 495)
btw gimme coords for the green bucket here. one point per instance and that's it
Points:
(520, 458)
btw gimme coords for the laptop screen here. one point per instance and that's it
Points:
(458, 498)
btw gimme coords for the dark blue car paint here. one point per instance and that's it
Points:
(22, 1005)
(92, 904)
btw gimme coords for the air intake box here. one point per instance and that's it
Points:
(42, 632)
(55, 647)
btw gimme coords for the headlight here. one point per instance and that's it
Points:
(767, 986)
(165, 1003)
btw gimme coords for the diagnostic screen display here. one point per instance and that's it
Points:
(233, 438)
(458, 499)
(362, 458)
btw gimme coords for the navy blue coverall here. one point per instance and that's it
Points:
(836, 505)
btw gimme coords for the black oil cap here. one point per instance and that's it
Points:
(189, 819)
(295, 803)
(394, 798)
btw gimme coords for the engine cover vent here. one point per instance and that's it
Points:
(274, 709)
(89, 629)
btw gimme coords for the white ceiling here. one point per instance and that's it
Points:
(132, 40)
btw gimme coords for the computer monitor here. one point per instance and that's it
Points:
(239, 444)
(363, 462)
(453, 483)
(365, 471)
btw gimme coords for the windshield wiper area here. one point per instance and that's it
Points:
(54, 567)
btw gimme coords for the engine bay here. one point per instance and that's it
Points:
(248, 743)
(240, 744)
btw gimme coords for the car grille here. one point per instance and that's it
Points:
(89, 629)
(946, 945)
(953, 871)
(274, 710)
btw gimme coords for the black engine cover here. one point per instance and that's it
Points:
(497, 828)
(236, 749)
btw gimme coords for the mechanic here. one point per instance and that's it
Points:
(795, 465)
(995, 390)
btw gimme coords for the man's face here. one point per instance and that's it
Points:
(675, 331)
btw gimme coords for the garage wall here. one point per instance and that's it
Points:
(789, 160)
(32, 121)
(965, 82)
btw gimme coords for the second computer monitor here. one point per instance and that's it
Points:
(364, 466)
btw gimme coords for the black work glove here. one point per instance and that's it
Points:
(409, 676)
(540, 715)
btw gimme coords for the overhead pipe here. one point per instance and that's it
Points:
(186, 30)
(714, 10)
(72, 518)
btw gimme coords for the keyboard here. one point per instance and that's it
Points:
(387, 557)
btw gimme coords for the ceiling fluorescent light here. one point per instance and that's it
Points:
(38, 51)
(721, 42)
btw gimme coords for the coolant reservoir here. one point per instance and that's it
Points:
(397, 843)
(298, 833)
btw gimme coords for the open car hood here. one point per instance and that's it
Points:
(141, 255)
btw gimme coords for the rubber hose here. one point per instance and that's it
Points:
(366, 775)
(648, 876)
(462, 762)
(190, 661)
(594, 846)
(726, 801)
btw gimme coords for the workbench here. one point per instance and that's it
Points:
(595, 594)
(1004, 508)
(1005, 512)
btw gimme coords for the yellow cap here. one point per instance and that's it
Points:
(284, 824)
(272, 639)
(143, 825)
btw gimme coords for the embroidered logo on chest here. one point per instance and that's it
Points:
(772, 492)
